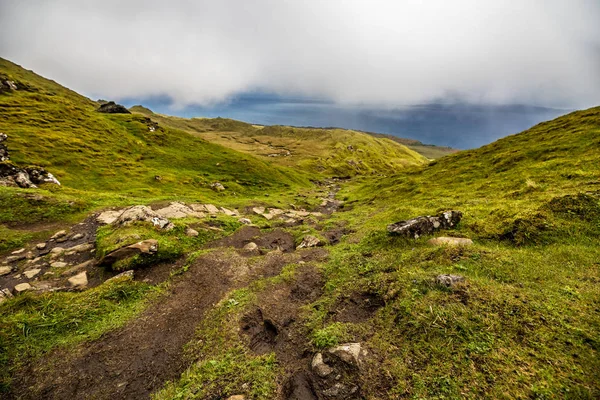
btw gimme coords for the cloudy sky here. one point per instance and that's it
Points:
(371, 54)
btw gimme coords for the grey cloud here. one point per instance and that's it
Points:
(375, 53)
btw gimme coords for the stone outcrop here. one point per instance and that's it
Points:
(310, 241)
(13, 175)
(426, 225)
(147, 247)
(143, 214)
(113, 108)
(449, 280)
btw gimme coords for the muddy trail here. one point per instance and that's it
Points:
(134, 361)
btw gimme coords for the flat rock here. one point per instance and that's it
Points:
(108, 217)
(149, 247)
(251, 246)
(58, 234)
(268, 216)
(228, 212)
(77, 236)
(310, 241)
(79, 280)
(80, 248)
(22, 287)
(18, 251)
(15, 258)
(237, 397)
(191, 232)
(143, 214)
(78, 268)
(450, 241)
(30, 273)
(244, 221)
(176, 210)
(211, 209)
(58, 264)
(258, 210)
(5, 271)
(449, 280)
(40, 246)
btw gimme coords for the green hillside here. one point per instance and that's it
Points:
(253, 303)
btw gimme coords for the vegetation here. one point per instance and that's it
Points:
(523, 324)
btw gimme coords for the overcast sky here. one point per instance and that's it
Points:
(375, 53)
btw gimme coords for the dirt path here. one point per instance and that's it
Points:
(132, 362)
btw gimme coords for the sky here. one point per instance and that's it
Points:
(362, 57)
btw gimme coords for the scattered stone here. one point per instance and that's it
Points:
(40, 246)
(450, 241)
(77, 236)
(5, 271)
(237, 397)
(57, 251)
(191, 232)
(449, 280)
(350, 353)
(251, 246)
(198, 208)
(80, 280)
(22, 287)
(211, 209)
(5, 294)
(108, 217)
(275, 211)
(113, 108)
(122, 275)
(58, 264)
(78, 268)
(217, 186)
(310, 241)
(11, 259)
(228, 212)
(268, 216)
(62, 239)
(245, 221)
(18, 251)
(177, 210)
(29, 255)
(148, 247)
(80, 248)
(58, 234)
(420, 226)
(22, 179)
(144, 214)
(319, 367)
(31, 273)
(258, 210)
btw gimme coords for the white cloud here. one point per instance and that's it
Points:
(382, 53)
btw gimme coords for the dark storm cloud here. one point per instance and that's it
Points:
(372, 53)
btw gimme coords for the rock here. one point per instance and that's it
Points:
(29, 255)
(319, 367)
(258, 210)
(113, 108)
(5, 294)
(417, 227)
(40, 246)
(108, 217)
(18, 251)
(147, 247)
(310, 241)
(176, 210)
(22, 287)
(11, 259)
(58, 235)
(58, 264)
(268, 216)
(275, 211)
(77, 236)
(251, 246)
(39, 175)
(80, 248)
(211, 209)
(237, 397)
(449, 280)
(78, 268)
(245, 221)
(127, 274)
(201, 208)
(62, 239)
(144, 214)
(57, 251)
(5, 271)
(79, 281)
(450, 241)
(191, 232)
(350, 353)
(31, 273)
(228, 212)
(22, 179)
(217, 186)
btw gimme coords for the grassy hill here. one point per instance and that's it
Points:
(322, 151)
(523, 324)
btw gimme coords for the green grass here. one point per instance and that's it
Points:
(31, 325)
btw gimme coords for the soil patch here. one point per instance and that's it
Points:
(134, 361)
(358, 307)
(276, 239)
(335, 235)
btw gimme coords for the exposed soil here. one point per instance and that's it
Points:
(134, 361)
(276, 239)
(358, 307)
(335, 235)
